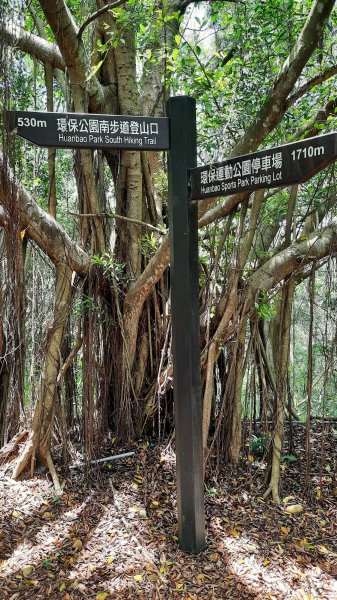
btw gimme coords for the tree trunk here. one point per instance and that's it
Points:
(281, 351)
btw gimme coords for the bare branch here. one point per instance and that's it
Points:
(32, 44)
(120, 217)
(97, 14)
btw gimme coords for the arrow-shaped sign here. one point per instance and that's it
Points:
(275, 167)
(77, 130)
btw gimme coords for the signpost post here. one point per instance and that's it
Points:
(183, 219)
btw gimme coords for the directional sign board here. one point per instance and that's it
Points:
(276, 167)
(76, 130)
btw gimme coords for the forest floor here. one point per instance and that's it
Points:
(117, 537)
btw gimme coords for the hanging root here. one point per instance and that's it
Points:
(52, 470)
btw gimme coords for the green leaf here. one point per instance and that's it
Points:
(94, 70)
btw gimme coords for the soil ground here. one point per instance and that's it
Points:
(117, 536)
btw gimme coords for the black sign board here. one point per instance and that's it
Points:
(275, 167)
(77, 130)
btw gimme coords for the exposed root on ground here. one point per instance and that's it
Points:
(10, 450)
(27, 457)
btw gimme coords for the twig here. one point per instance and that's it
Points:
(120, 217)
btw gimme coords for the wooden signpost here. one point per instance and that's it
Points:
(178, 135)
(279, 166)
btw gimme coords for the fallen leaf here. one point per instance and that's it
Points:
(285, 530)
(234, 533)
(77, 544)
(138, 577)
(47, 515)
(180, 587)
(102, 595)
(292, 509)
(110, 560)
(27, 570)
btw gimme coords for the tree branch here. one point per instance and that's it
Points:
(97, 14)
(73, 51)
(291, 260)
(306, 87)
(275, 107)
(39, 225)
(59, 76)
(32, 44)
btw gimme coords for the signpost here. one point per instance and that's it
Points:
(275, 167)
(280, 166)
(74, 130)
(77, 130)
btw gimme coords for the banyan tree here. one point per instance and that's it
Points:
(85, 329)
